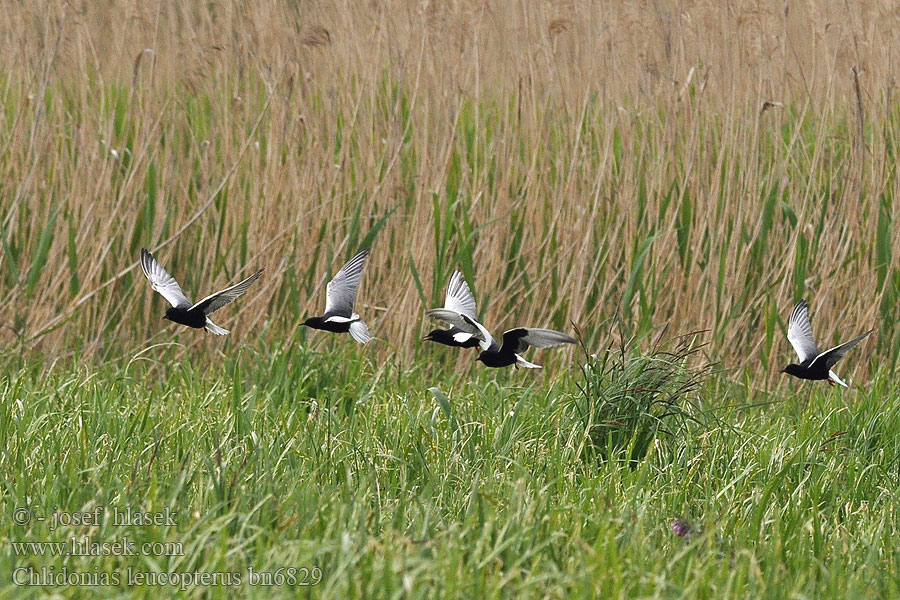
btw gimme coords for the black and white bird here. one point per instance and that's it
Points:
(339, 300)
(814, 365)
(459, 299)
(182, 310)
(515, 340)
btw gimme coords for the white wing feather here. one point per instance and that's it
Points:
(341, 291)
(162, 282)
(800, 333)
(459, 297)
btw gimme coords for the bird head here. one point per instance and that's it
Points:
(431, 335)
(792, 369)
(480, 357)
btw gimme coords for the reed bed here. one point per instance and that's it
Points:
(619, 166)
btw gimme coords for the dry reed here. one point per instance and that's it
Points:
(693, 164)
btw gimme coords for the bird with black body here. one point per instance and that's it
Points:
(182, 311)
(814, 365)
(458, 299)
(340, 296)
(515, 341)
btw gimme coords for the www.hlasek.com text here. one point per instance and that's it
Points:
(86, 546)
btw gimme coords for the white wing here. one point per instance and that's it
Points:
(461, 337)
(341, 291)
(214, 302)
(459, 297)
(162, 282)
(466, 323)
(800, 333)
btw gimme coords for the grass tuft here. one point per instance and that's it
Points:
(630, 398)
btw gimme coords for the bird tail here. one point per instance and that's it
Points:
(213, 328)
(359, 331)
(835, 378)
(521, 362)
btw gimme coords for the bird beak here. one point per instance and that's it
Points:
(427, 338)
(164, 317)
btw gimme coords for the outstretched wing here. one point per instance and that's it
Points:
(466, 323)
(837, 353)
(214, 302)
(459, 297)
(800, 333)
(341, 291)
(162, 282)
(520, 338)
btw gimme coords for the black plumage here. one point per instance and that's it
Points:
(514, 340)
(452, 337)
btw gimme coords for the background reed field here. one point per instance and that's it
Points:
(628, 164)
(633, 171)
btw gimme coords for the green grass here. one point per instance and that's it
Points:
(298, 457)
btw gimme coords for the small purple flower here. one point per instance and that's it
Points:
(681, 528)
